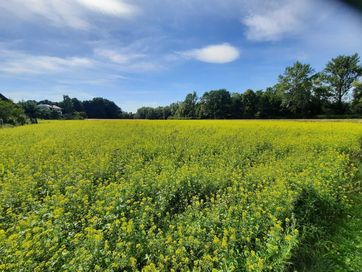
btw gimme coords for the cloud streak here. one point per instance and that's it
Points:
(67, 13)
(109, 7)
(13, 62)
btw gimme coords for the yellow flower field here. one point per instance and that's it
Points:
(167, 195)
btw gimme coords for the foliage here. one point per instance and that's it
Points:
(357, 97)
(168, 196)
(101, 108)
(339, 74)
(12, 114)
(215, 104)
(295, 86)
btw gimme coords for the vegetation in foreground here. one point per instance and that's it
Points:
(176, 195)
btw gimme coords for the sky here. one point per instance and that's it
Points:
(153, 52)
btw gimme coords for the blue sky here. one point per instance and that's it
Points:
(153, 52)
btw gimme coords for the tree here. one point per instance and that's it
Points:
(11, 113)
(357, 97)
(295, 87)
(30, 108)
(236, 107)
(67, 105)
(269, 104)
(249, 101)
(339, 75)
(187, 108)
(77, 105)
(102, 108)
(321, 96)
(215, 104)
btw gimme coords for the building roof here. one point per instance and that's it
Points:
(3, 97)
(54, 107)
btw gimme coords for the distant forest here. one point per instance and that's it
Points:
(300, 92)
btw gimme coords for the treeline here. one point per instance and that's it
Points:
(70, 108)
(73, 108)
(300, 92)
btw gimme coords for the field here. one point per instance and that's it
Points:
(172, 195)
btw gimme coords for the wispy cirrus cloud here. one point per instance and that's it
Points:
(130, 60)
(67, 13)
(118, 57)
(218, 53)
(14, 62)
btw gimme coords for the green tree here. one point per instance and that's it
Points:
(357, 97)
(236, 107)
(215, 104)
(249, 100)
(11, 113)
(30, 108)
(187, 108)
(102, 108)
(269, 104)
(295, 87)
(339, 75)
(67, 105)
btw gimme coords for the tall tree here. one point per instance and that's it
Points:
(295, 87)
(339, 75)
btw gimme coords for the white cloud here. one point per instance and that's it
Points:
(274, 22)
(219, 53)
(12, 62)
(65, 13)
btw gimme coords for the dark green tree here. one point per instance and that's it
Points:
(67, 105)
(249, 100)
(102, 108)
(236, 106)
(269, 104)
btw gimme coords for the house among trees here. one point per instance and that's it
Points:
(51, 107)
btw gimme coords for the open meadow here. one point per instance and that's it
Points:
(173, 195)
